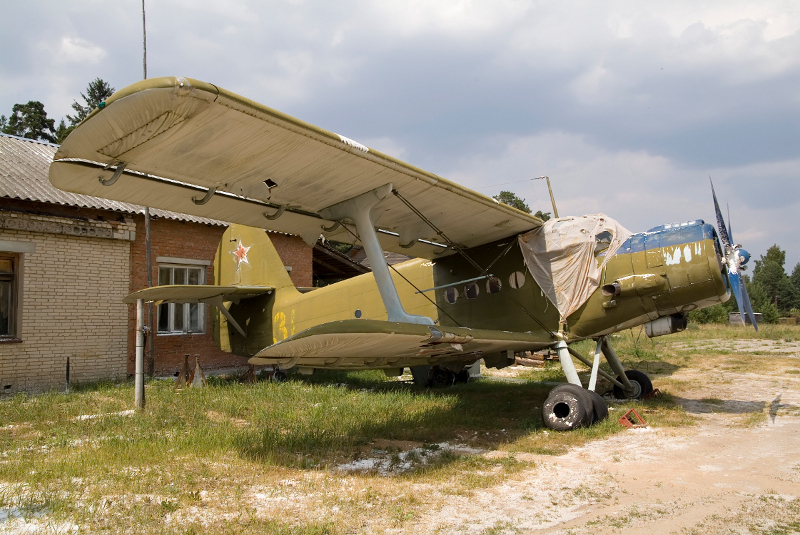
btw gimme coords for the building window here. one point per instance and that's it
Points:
(174, 318)
(9, 268)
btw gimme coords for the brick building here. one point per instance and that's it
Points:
(66, 262)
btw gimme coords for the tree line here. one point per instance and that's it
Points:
(773, 292)
(30, 120)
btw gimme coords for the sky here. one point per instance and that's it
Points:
(628, 106)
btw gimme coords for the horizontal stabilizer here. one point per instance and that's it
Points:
(358, 344)
(196, 293)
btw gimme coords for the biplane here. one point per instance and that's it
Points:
(486, 280)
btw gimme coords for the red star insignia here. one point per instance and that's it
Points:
(241, 254)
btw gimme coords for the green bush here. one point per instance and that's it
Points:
(712, 314)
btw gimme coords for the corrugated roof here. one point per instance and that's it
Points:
(24, 168)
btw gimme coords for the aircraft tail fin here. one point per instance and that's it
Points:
(247, 257)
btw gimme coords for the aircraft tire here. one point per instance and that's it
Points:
(641, 385)
(566, 409)
(441, 378)
(588, 417)
(599, 407)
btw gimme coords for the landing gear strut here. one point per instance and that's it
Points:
(570, 406)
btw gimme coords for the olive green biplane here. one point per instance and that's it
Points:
(487, 280)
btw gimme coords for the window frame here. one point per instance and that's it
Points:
(178, 310)
(14, 305)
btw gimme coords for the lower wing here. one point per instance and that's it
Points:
(371, 344)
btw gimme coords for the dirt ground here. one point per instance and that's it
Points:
(736, 471)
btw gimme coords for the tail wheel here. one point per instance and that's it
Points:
(599, 407)
(567, 407)
(441, 378)
(640, 382)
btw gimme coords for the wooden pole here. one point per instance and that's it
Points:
(552, 199)
(139, 377)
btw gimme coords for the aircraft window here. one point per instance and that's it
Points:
(516, 280)
(451, 295)
(493, 285)
(604, 237)
(471, 290)
(603, 242)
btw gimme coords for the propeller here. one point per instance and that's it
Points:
(735, 260)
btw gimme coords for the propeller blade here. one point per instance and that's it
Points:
(748, 307)
(742, 299)
(723, 231)
(730, 227)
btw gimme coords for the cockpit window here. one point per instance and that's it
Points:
(603, 241)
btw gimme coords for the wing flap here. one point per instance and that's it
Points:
(206, 137)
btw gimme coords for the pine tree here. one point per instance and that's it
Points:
(511, 199)
(96, 92)
(29, 121)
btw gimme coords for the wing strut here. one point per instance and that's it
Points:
(359, 209)
(456, 247)
(217, 302)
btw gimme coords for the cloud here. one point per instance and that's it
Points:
(639, 189)
(76, 50)
(626, 105)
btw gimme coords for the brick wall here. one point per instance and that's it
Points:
(195, 241)
(72, 285)
(297, 255)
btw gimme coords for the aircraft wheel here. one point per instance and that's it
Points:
(580, 391)
(567, 407)
(641, 385)
(599, 407)
(280, 376)
(463, 376)
(441, 378)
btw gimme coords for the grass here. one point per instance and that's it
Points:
(263, 457)
(197, 448)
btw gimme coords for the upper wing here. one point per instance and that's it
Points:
(178, 138)
(383, 344)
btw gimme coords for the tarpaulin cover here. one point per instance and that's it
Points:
(566, 257)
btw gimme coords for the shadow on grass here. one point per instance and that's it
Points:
(362, 408)
(482, 414)
(723, 406)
